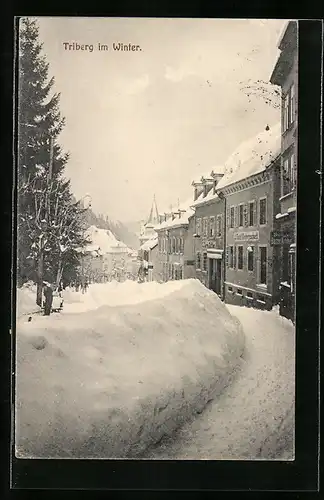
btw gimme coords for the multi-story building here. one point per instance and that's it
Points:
(285, 75)
(249, 189)
(175, 237)
(208, 242)
(148, 255)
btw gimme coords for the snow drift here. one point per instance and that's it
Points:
(26, 300)
(112, 381)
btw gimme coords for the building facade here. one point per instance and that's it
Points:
(252, 261)
(175, 245)
(209, 236)
(285, 75)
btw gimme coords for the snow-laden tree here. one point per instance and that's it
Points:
(50, 225)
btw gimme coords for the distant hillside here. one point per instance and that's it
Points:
(119, 230)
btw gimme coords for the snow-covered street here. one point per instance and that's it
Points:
(154, 372)
(254, 416)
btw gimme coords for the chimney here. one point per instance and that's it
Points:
(198, 189)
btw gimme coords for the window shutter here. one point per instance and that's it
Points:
(255, 213)
(236, 212)
(234, 257)
(245, 215)
(228, 218)
(226, 256)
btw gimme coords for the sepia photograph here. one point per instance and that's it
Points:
(156, 178)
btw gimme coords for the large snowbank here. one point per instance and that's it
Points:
(112, 381)
(253, 418)
(26, 300)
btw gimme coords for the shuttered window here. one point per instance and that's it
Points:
(241, 215)
(232, 217)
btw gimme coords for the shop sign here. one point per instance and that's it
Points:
(246, 236)
(281, 238)
(275, 238)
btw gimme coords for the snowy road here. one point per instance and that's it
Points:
(254, 416)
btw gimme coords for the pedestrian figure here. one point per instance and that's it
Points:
(48, 294)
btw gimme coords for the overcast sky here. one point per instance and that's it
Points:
(152, 120)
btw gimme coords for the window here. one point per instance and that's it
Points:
(288, 174)
(232, 216)
(219, 226)
(198, 260)
(212, 226)
(231, 257)
(230, 289)
(181, 245)
(289, 108)
(251, 213)
(263, 212)
(173, 244)
(239, 291)
(177, 245)
(198, 227)
(250, 258)
(249, 295)
(170, 245)
(205, 261)
(240, 257)
(205, 226)
(241, 215)
(263, 265)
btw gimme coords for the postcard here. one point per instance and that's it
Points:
(156, 239)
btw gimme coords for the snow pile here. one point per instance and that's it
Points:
(110, 382)
(26, 300)
(117, 294)
(252, 156)
(253, 418)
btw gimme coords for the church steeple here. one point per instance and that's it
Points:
(154, 213)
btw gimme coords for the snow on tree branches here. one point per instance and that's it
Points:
(50, 222)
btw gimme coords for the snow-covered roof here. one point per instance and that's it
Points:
(252, 156)
(102, 239)
(181, 216)
(149, 244)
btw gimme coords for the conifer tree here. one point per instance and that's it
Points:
(50, 224)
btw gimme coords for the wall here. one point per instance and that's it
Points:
(248, 282)
(201, 243)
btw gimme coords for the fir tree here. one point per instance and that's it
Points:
(50, 225)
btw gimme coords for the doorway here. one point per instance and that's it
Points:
(215, 275)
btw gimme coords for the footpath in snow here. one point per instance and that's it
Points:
(120, 368)
(254, 415)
